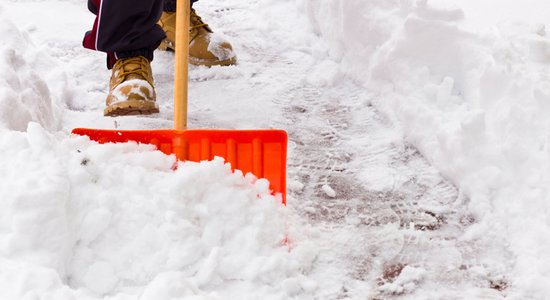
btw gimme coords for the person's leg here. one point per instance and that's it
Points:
(204, 48)
(127, 31)
(125, 28)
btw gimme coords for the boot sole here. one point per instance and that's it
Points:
(167, 46)
(212, 62)
(131, 108)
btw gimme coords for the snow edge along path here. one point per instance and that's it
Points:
(475, 104)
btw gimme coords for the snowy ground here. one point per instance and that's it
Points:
(419, 157)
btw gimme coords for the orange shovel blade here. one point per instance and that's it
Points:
(261, 152)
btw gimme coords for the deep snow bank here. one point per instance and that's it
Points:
(475, 103)
(24, 95)
(85, 221)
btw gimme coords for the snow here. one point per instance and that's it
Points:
(474, 103)
(126, 218)
(361, 86)
(215, 48)
(137, 87)
(25, 94)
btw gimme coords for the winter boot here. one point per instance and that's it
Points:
(131, 90)
(205, 48)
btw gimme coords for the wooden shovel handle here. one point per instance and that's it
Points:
(181, 64)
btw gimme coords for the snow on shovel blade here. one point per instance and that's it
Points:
(261, 152)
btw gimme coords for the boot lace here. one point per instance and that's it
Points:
(126, 70)
(196, 21)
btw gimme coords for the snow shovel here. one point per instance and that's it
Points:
(261, 152)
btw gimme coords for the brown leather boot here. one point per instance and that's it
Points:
(131, 89)
(204, 48)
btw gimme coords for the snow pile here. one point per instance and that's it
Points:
(24, 95)
(475, 103)
(86, 221)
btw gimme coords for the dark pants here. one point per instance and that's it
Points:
(127, 28)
